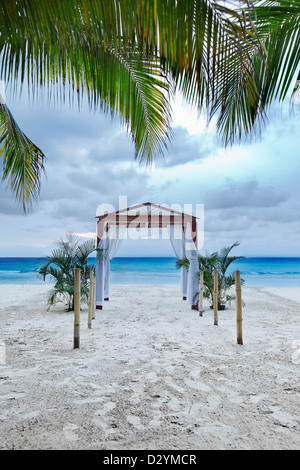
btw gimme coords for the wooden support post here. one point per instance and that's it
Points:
(90, 300)
(239, 319)
(77, 309)
(94, 297)
(201, 295)
(216, 297)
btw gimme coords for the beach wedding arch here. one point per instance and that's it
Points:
(182, 232)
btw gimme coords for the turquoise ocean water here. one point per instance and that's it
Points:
(274, 272)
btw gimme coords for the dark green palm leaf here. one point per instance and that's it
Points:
(84, 250)
(23, 161)
(231, 58)
(277, 25)
(223, 258)
(61, 265)
(198, 42)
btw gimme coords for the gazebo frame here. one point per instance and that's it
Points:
(166, 217)
(148, 220)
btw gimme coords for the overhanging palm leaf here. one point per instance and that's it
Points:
(219, 54)
(136, 89)
(65, 46)
(277, 25)
(193, 39)
(23, 161)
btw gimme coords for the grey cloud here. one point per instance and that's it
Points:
(245, 194)
(8, 204)
(78, 209)
(246, 218)
(283, 213)
(85, 190)
(106, 179)
(187, 147)
(101, 146)
(218, 221)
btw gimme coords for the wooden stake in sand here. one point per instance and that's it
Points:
(239, 318)
(216, 297)
(201, 295)
(77, 309)
(91, 296)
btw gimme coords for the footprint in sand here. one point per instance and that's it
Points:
(69, 431)
(135, 421)
(108, 406)
(200, 386)
(100, 417)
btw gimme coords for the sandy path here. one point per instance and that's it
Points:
(150, 374)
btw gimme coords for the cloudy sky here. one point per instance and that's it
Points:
(250, 192)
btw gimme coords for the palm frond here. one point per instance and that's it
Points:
(84, 250)
(182, 263)
(224, 260)
(122, 54)
(136, 89)
(228, 58)
(69, 49)
(23, 161)
(61, 265)
(278, 24)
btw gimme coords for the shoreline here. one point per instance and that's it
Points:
(151, 373)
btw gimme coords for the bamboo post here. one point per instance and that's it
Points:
(77, 309)
(239, 318)
(90, 313)
(201, 295)
(216, 297)
(94, 297)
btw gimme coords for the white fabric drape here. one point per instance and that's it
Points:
(192, 255)
(113, 243)
(100, 276)
(177, 240)
(109, 246)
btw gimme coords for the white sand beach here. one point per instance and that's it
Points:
(150, 374)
